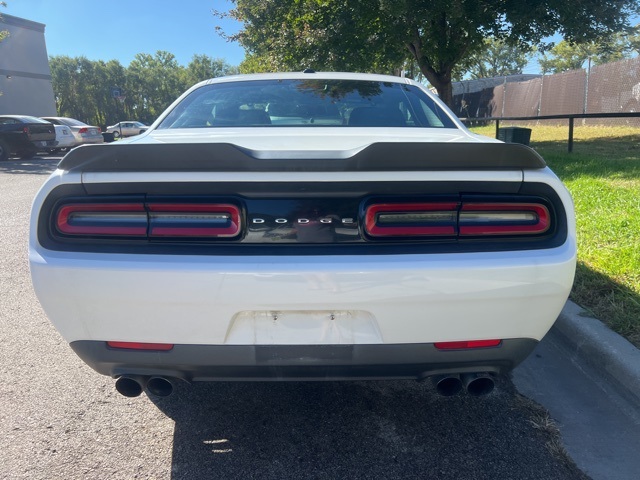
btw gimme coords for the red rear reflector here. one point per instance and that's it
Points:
(141, 346)
(465, 344)
(194, 220)
(102, 219)
(504, 219)
(411, 219)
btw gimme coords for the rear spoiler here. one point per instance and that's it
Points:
(226, 157)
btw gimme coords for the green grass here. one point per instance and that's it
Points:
(603, 176)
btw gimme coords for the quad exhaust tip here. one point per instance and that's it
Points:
(131, 386)
(475, 384)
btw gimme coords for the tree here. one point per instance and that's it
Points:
(379, 35)
(153, 83)
(572, 56)
(3, 33)
(497, 59)
(203, 67)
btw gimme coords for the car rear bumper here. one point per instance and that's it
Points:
(301, 362)
(303, 300)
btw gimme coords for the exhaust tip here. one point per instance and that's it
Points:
(129, 387)
(159, 386)
(447, 385)
(478, 384)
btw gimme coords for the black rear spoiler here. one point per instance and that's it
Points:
(225, 157)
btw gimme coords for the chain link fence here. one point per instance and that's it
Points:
(609, 88)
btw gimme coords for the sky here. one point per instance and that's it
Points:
(119, 29)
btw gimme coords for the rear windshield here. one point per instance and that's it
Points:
(308, 103)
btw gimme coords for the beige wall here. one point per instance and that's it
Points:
(25, 78)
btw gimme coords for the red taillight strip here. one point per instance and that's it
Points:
(511, 223)
(442, 217)
(107, 219)
(193, 220)
(141, 346)
(467, 344)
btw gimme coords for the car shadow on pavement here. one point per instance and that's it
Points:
(392, 429)
(36, 165)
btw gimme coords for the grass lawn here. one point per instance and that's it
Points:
(603, 176)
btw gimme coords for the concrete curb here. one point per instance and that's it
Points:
(592, 342)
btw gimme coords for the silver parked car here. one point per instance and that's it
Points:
(82, 132)
(128, 128)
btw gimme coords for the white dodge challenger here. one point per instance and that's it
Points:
(303, 226)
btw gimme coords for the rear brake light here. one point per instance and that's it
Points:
(141, 346)
(194, 220)
(463, 219)
(411, 219)
(129, 219)
(25, 129)
(503, 219)
(153, 220)
(83, 130)
(467, 344)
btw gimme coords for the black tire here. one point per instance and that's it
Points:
(4, 151)
(28, 153)
(116, 134)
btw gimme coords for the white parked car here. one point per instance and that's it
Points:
(385, 241)
(127, 129)
(83, 133)
(64, 138)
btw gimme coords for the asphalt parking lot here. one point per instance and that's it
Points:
(60, 419)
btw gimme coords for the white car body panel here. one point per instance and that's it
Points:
(377, 297)
(481, 295)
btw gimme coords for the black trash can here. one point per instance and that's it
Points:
(515, 135)
(108, 137)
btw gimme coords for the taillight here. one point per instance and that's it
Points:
(503, 219)
(411, 219)
(117, 219)
(25, 130)
(467, 344)
(149, 220)
(164, 347)
(459, 219)
(194, 220)
(83, 130)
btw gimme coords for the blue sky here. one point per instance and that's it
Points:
(119, 29)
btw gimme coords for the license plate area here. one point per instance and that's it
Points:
(303, 327)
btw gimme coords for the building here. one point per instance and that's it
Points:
(25, 78)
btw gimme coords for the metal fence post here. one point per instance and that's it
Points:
(571, 134)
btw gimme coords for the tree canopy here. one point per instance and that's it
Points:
(83, 88)
(571, 56)
(497, 59)
(379, 35)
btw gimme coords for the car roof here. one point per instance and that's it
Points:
(23, 118)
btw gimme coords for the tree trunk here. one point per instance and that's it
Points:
(443, 87)
(440, 79)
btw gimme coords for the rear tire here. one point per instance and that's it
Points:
(4, 151)
(27, 153)
(116, 134)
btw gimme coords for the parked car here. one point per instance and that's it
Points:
(24, 136)
(64, 139)
(390, 243)
(83, 133)
(127, 129)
